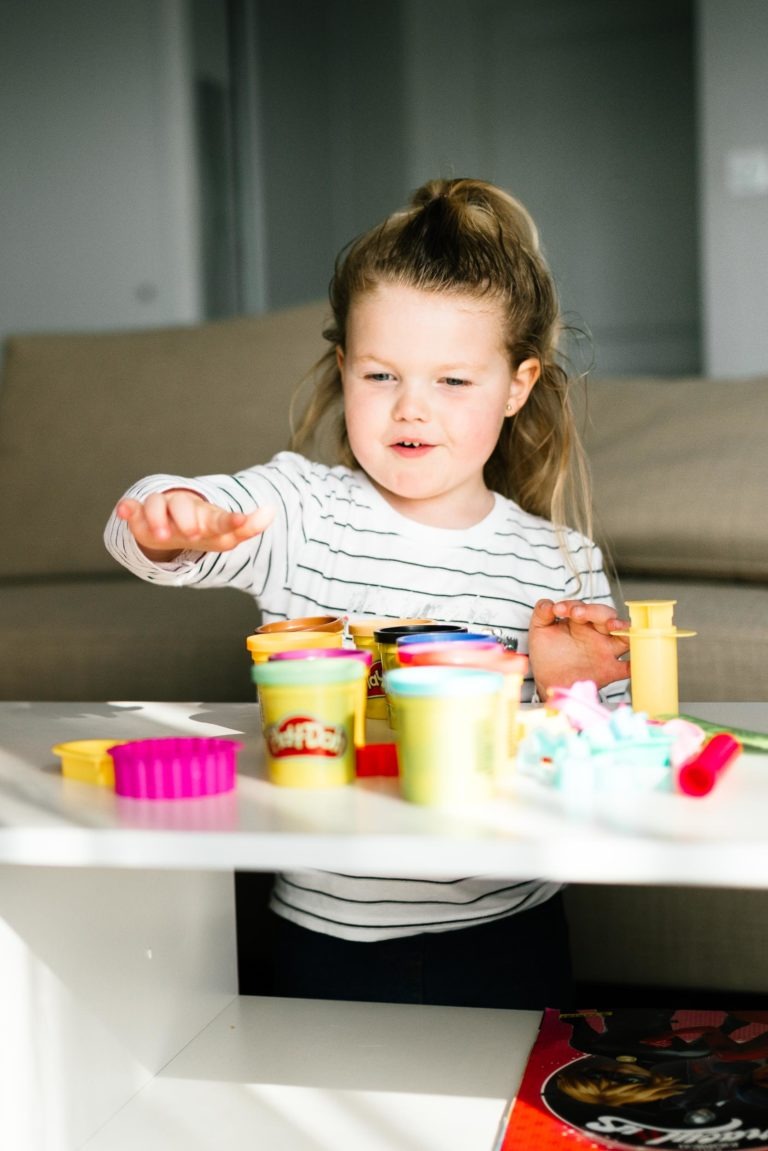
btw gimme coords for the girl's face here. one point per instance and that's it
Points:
(427, 386)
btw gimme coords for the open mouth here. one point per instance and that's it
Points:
(415, 449)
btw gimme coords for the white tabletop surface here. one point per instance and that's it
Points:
(721, 839)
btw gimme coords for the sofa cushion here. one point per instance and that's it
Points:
(84, 415)
(680, 472)
(118, 638)
(726, 658)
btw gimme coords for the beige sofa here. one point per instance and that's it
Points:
(681, 481)
(680, 471)
(81, 417)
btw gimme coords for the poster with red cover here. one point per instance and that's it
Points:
(643, 1077)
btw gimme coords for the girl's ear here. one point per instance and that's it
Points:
(340, 360)
(521, 385)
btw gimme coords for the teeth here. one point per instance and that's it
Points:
(411, 443)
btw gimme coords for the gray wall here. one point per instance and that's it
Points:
(615, 122)
(733, 50)
(587, 112)
(98, 215)
(333, 129)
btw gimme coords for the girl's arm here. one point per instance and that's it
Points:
(215, 526)
(170, 522)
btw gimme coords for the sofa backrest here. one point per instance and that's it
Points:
(84, 415)
(680, 466)
(680, 473)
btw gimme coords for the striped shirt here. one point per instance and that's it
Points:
(337, 547)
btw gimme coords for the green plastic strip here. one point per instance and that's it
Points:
(749, 740)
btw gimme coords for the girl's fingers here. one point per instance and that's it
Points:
(601, 616)
(126, 509)
(156, 516)
(212, 524)
(256, 522)
(132, 511)
(543, 613)
(185, 514)
(178, 518)
(232, 528)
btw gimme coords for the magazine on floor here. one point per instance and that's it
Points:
(643, 1078)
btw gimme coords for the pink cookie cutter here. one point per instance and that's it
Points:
(174, 768)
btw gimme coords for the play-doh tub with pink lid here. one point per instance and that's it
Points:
(443, 651)
(313, 715)
(362, 656)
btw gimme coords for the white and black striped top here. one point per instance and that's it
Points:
(337, 547)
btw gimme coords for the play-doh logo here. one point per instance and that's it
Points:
(304, 735)
(375, 679)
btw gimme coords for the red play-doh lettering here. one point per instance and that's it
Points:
(304, 735)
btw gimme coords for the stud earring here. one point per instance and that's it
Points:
(509, 408)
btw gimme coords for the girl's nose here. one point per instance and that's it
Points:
(411, 403)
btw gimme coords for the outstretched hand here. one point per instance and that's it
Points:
(571, 640)
(167, 523)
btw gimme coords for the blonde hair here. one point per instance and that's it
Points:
(609, 1093)
(470, 237)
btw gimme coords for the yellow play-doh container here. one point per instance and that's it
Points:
(653, 640)
(513, 667)
(450, 733)
(288, 634)
(334, 623)
(361, 632)
(88, 761)
(311, 710)
(263, 645)
(490, 655)
(339, 653)
(386, 641)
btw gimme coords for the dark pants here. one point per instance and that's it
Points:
(520, 961)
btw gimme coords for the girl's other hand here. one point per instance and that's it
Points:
(571, 640)
(168, 523)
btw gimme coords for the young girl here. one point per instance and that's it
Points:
(457, 456)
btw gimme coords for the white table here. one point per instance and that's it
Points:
(120, 1025)
(720, 840)
(308, 1075)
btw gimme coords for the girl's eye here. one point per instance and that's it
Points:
(455, 382)
(378, 377)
